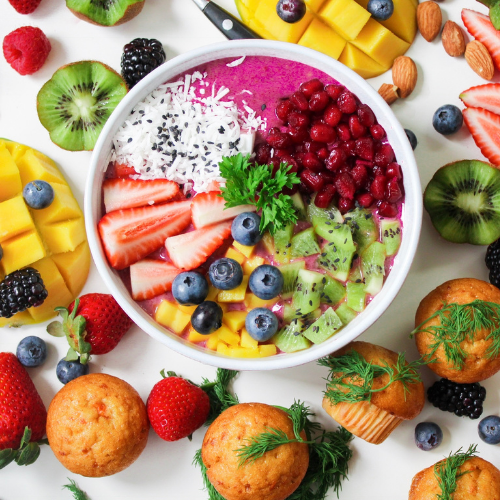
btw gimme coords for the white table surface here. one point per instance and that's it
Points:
(164, 470)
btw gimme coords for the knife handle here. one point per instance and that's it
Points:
(231, 27)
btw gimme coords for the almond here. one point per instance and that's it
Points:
(429, 19)
(388, 92)
(453, 39)
(404, 75)
(479, 59)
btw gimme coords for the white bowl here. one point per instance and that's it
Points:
(412, 210)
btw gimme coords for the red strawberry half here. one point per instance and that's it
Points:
(131, 234)
(123, 170)
(129, 193)
(25, 6)
(480, 27)
(151, 277)
(485, 129)
(190, 250)
(483, 96)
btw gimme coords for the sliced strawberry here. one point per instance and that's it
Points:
(131, 234)
(123, 170)
(483, 96)
(480, 27)
(208, 208)
(151, 277)
(485, 129)
(129, 193)
(190, 250)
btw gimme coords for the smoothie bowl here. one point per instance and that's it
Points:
(253, 205)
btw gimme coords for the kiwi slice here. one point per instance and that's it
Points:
(306, 297)
(364, 229)
(373, 267)
(324, 327)
(391, 235)
(331, 213)
(345, 313)
(299, 206)
(282, 244)
(333, 291)
(290, 273)
(463, 201)
(76, 102)
(290, 314)
(356, 296)
(336, 256)
(304, 243)
(105, 12)
(290, 338)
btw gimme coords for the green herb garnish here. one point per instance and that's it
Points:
(213, 494)
(351, 377)
(248, 184)
(446, 471)
(460, 322)
(78, 494)
(220, 398)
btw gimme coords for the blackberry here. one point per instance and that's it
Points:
(494, 276)
(20, 290)
(464, 400)
(140, 57)
(492, 258)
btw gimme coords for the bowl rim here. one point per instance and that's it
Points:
(411, 216)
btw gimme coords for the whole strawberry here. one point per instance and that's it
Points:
(94, 324)
(176, 408)
(25, 6)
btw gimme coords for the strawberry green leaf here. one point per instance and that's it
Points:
(72, 355)
(28, 454)
(7, 456)
(55, 329)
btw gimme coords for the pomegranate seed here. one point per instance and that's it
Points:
(323, 154)
(387, 210)
(308, 88)
(334, 91)
(394, 170)
(332, 115)
(366, 115)
(283, 109)
(357, 129)
(263, 153)
(298, 135)
(377, 132)
(322, 133)
(367, 164)
(347, 103)
(345, 204)
(364, 200)
(336, 159)
(377, 187)
(313, 147)
(393, 191)
(280, 153)
(360, 175)
(384, 155)
(279, 140)
(349, 147)
(325, 195)
(364, 148)
(300, 101)
(328, 177)
(319, 101)
(296, 119)
(311, 180)
(343, 132)
(378, 171)
(345, 186)
(311, 161)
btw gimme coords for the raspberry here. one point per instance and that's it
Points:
(25, 6)
(26, 49)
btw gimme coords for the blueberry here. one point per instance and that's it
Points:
(291, 11)
(380, 9)
(261, 324)
(245, 229)
(38, 194)
(31, 351)
(190, 288)
(225, 274)
(66, 371)
(489, 429)
(266, 282)
(447, 119)
(412, 138)
(207, 317)
(428, 435)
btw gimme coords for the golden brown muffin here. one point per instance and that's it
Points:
(482, 482)
(97, 425)
(274, 476)
(477, 365)
(374, 420)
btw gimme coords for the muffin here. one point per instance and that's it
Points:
(477, 479)
(97, 425)
(274, 476)
(478, 365)
(375, 419)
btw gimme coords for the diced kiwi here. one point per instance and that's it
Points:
(282, 244)
(333, 291)
(299, 205)
(373, 267)
(290, 338)
(356, 296)
(324, 327)
(391, 235)
(290, 314)
(336, 256)
(495, 15)
(331, 213)
(463, 201)
(306, 297)
(345, 313)
(290, 272)
(364, 229)
(105, 12)
(76, 102)
(355, 274)
(304, 243)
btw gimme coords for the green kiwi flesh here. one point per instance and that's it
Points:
(282, 244)
(324, 327)
(391, 235)
(345, 313)
(463, 202)
(364, 229)
(105, 12)
(304, 244)
(290, 338)
(356, 296)
(76, 102)
(290, 272)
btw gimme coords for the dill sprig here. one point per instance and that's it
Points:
(213, 494)
(220, 398)
(351, 376)
(248, 184)
(446, 471)
(78, 494)
(460, 322)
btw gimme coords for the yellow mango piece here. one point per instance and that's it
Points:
(267, 350)
(19, 319)
(169, 316)
(235, 320)
(15, 218)
(314, 5)
(74, 267)
(212, 293)
(346, 17)
(186, 309)
(245, 13)
(380, 43)
(236, 294)
(194, 336)
(15, 149)
(235, 255)
(64, 207)
(227, 336)
(252, 263)
(245, 250)
(268, 242)
(249, 4)
(10, 179)
(34, 165)
(244, 352)
(246, 340)
(63, 236)
(320, 37)
(359, 62)
(22, 251)
(259, 29)
(252, 301)
(223, 349)
(212, 342)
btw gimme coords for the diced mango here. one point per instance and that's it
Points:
(259, 29)
(10, 179)
(346, 17)
(168, 315)
(245, 250)
(194, 336)
(34, 165)
(212, 293)
(319, 36)
(314, 5)
(244, 352)
(223, 349)
(63, 236)
(252, 301)
(227, 336)
(15, 149)
(186, 309)
(236, 294)
(268, 242)
(235, 320)
(15, 218)
(243, 10)
(21, 251)
(359, 62)
(246, 340)
(267, 350)
(250, 4)
(212, 342)
(74, 267)
(235, 255)
(64, 207)
(252, 263)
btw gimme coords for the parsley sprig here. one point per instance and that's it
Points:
(351, 376)
(447, 473)
(248, 184)
(78, 494)
(460, 322)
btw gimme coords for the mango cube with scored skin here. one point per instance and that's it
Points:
(357, 60)
(346, 17)
(319, 36)
(63, 236)
(21, 251)
(15, 218)
(74, 266)
(34, 166)
(63, 208)
(10, 178)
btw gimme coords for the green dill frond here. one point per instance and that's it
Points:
(78, 494)
(213, 494)
(220, 397)
(299, 414)
(262, 443)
